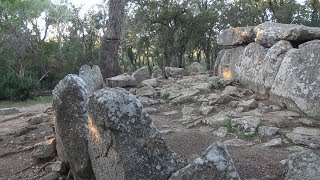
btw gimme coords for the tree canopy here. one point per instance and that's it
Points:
(41, 41)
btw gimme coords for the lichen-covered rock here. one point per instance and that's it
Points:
(297, 83)
(229, 59)
(123, 80)
(92, 76)
(70, 105)
(273, 60)
(303, 165)
(236, 36)
(196, 68)
(249, 70)
(175, 72)
(45, 149)
(269, 33)
(150, 82)
(214, 163)
(124, 143)
(141, 74)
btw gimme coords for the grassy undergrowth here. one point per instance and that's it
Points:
(13, 103)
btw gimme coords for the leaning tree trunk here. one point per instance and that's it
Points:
(109, 57)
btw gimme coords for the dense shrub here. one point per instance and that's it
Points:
(11, 87)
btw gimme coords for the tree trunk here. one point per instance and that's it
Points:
(109, 57)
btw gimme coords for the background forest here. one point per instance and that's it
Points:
(41, 41)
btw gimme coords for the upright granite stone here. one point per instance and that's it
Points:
(124, 143)
(70, 105)
(141, 74)
(250, 67)
(236, 36)
(269, 33)
(92, 76)
(297, 83)
(303, 165)
(229, 60)
(273, 60)
(214, 163)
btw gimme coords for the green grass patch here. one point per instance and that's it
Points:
(30, 102)
(228, 124)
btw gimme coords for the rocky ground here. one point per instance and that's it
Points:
(192, 112)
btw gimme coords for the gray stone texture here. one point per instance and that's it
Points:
(123, 80)
(236, 36)
(124, 143)
(303, 165)
(70, 105)
(214, 163)
(141, 74)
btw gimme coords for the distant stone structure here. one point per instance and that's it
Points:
(280, 60)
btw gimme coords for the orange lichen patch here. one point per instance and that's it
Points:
(93, 130)
(226, 73)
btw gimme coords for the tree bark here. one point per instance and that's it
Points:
(109, 57)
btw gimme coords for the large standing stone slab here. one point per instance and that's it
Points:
(249, 69)
(273, 60)
(229, 59)
(124, 143)
(297, 83)
(70, 105)
(303, 165)
(269, 33)
(236, 36)
(214, 163)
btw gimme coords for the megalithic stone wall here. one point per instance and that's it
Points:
(281, 60)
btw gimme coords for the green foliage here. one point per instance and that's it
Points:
(17, 89)
(228, 124)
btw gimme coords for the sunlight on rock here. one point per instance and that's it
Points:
(93, 129)
(226, 73)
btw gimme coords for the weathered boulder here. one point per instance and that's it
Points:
(147, 91)
(248, 105)
(150, 82)
(303, 165)
(273, 142)
(273, 60)
(267, 131)
(297, 83)
(269, 33)
(141, 74)
(249, 69)
(229, 59)
(214, 163)
(236, 36)
(196, 68)
(92, 77)
(175, 72)
(305, 136)
(45, 149)
(124, 143)
(123, 80)
(70, 105)
(156, 72)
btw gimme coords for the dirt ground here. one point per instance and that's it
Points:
(16, 150)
